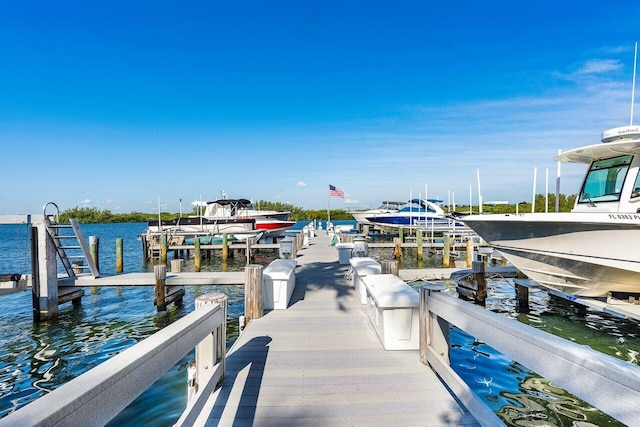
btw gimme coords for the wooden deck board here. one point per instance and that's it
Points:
(320, 362)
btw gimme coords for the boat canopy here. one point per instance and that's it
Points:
(615, 142)
(226, 202)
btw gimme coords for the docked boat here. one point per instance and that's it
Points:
(270, 222)
(594, 249)
(384, 208)
(235, 217)
(424, 214)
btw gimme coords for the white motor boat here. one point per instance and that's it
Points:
(419, 214)
(384, 208)
(268, 222)
(225, 216)
(595, 248)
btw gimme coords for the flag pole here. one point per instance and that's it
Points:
(329, 208)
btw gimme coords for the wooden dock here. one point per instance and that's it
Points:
(320, 362)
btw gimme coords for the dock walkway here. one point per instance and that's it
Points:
(320, 362)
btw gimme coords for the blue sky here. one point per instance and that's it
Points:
(117, 104)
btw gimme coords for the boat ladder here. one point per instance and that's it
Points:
(79, 257)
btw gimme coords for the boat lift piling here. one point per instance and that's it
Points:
(119, 255)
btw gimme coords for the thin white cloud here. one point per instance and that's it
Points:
(599, 66)
(302, 184)
(85, 202)
(444, 147)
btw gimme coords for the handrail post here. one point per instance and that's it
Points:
(213, 348)
(434, 331)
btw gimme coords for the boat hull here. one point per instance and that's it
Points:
(578, 254)
(199, 225)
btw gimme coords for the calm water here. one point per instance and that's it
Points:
(38, 358)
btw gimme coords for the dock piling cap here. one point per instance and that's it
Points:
(434, 286)
(211, 298)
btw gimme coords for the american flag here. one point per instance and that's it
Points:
(335, 191)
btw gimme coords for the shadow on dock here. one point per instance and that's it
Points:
(321, 276)
(248, 361)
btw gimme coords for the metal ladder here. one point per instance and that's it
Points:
(64, 242)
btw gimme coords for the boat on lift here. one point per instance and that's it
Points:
(235, 217)
(269, 222)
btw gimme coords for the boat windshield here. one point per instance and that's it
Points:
(604, 180)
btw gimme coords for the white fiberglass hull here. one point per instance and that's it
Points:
(587, 254)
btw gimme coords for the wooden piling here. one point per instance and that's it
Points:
(389, 266)
(397, 241)
(470, 253)
(44, 269)
(119, 255)
(253, 300)
(481, 281)
(160, 272)
(419, 243)
(446, 251)
(522, 294)
(176, 265)
(250, 241)
(77, 266)
(94, 250)
(163, 248)
(225, 246)
(197, 254)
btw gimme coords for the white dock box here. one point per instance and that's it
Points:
(344, 252)
(363, 266)
(278, 282)
(393, 308)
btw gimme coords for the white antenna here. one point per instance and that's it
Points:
(479, 192)
(633, 86)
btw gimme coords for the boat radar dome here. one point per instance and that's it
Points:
(620, 133)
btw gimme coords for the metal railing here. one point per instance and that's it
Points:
(97, 396)
(609, 384)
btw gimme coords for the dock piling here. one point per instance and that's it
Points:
(470, 253)
(253, 300)
(163, 248)
(397, 241)
(481, 281)
(119, 255)
(94, 250)
(160, 272)
(44, 267)
(176, 265)
(197, 254)
(389, 266)
(446, 251)
(225, 246)
(522, 295)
